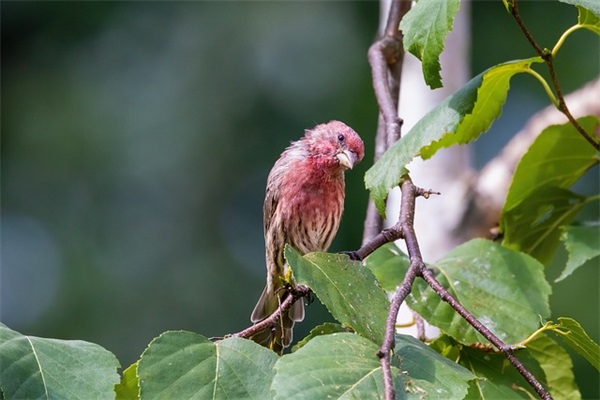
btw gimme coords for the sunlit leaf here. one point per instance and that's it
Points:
(129, 387)
(505, 289)
(33, 367)
(573, 335)
(185, 365)
(424, 29)
(558, 157)
(582, 243)
(348, 290)
(557, 366)
(459, 119)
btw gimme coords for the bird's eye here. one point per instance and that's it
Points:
(341, 137)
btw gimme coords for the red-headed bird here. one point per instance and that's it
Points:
(303, 207)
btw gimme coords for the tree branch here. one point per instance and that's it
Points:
(548, 57)
(405, 229)
(385, 57)
(296, 294)
(428, 277)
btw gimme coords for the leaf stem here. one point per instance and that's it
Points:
(548, 57)
(563, 37)
(545, 85)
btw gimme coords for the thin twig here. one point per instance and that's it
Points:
(420, 326)
(507, 350)
(296, 294)
(548, 57)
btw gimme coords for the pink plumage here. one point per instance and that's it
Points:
(303, 208)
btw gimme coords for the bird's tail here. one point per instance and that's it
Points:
(279, 336)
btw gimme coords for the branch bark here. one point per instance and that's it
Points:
(548, 57)
(386, 57)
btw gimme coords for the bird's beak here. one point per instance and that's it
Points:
(347, 158)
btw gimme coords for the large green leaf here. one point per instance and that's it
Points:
(345, 365)
(348, 290)
(425, 28)
(505, 289)
(557, 366)
(459, 119)
(591, 5)
(558, 157)
(389, 265)
(33, 367)
(582, 243)
(426, 371)
(340, 366)
(538, 202)
(185, 365)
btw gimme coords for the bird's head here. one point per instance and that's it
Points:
(337, 142)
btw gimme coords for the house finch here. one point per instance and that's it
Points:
(303, 207)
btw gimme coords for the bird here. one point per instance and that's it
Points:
(303, 207)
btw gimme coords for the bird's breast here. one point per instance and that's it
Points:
(314, 216)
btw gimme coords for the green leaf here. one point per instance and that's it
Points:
(389, 265)
(185, 365)
(582, 243)
(537, 203)
(426, 371)
(425, 28)
(324, 329)
(348, 290)
(345, 365)
(34, 367)
(504, 289)
(558, 157)
(591, 5)
(129, 387)
(533, 226)
(588, 20)
(573, 335)
(496, 378)
(459, 119)
(340, 366)
(557, 366)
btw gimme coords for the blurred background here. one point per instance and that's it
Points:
(137, 138)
